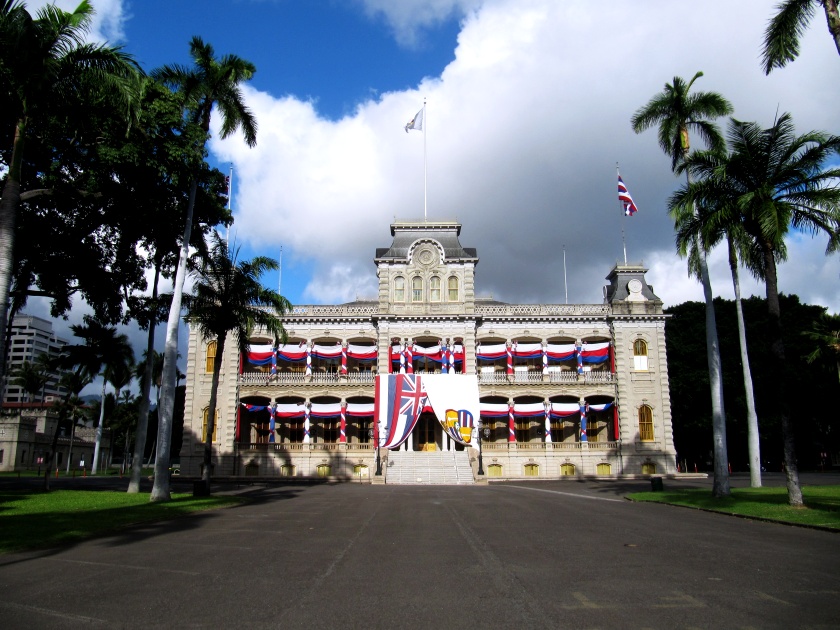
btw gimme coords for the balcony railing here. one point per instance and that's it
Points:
(297, 447)
(549, 446)
(485, 378)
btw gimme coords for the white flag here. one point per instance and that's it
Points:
(416, 122)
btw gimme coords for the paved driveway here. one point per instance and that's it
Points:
(515, 555)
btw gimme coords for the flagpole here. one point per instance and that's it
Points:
(623, 241)
(565, 283)
(230, 196)
(425, 186)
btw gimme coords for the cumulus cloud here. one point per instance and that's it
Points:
(408, 18)
(108, 18)
(524, 131)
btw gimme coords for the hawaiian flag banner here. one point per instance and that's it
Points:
(595, 352)
(626, 200)
(455, 403)
(398, 403)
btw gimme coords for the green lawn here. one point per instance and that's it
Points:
(822, 503)
(41, 519)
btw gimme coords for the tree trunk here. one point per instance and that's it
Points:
(70, 450)
(777, 377)
(8, 211)
(160, 489)
(143, 409)
(211, 411)
(832, 16)
(753, 444)
(95, 466)
(720, 484)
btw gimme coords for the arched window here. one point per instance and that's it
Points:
(603, 469)
(399, 289)
(645, 424)
(434, 289)
(567, 470)
(205, 415)
(417, 289)
(453, 289)
(640, 355)
(648, 468)
(211, 357)
(532, 470)
(494, 470)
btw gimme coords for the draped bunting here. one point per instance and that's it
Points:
(595, 352)
(325, 410)
(360, 409)
(564, 410)
(491, 353)
(494, 410)
(326, 352)
(361, 353)
(409, 360)
(260, 354)
(526, 410)
(560, 352)
(579, 361)
(290, 411)
(527, 350)
(448, 357)
(296, 353)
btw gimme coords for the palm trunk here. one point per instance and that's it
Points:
(211, 411)
(160, 489)
(753, 444)
(143, 410)
(8, 211)
(832, 16)
(95, 466)
(70, 450)
(720, 484)
(777, 378)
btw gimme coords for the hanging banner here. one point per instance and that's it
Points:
(398, 403)
(455, 402)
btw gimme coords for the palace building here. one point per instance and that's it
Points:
(563, 390)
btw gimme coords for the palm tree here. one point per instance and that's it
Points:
(826, 337)
(209, 83)
(104, 352)
(229, 298)
(770, 181)
(45, 62)
(73, 382)
(30, 378)
(676, 112)
(781, 39)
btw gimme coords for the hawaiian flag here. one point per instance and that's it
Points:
(624, 197)
(398, 403)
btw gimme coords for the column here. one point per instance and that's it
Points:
(344, 358)
(343, 429)
(511, 423)
(509, 358)
(547, 421)
(583, 408)
(409, 356)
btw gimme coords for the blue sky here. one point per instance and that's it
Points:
(529, 106)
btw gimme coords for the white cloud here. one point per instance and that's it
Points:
(408, 18)
(108, 19)
(524, 130)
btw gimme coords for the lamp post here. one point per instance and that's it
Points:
(480, 450)
(378, 472)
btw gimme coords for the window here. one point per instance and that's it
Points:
(205, 415)
(640, 355)
(523, 429)
(417, 289)
(603, 469)
(287, 470)
(399, 289)
(324, 470)
(331, 430)
(361, 471)
(453, 289)
(645, 424)
(593, 430)
(532, 470)
(567, 470)
(211, 357)
(648, 468)
(494, 470)
(434, 289)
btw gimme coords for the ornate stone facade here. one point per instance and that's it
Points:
(427, 304)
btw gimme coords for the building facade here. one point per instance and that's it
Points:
(565, 390)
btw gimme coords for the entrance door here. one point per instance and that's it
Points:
(426, 432)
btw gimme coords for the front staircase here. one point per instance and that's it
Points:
(429, 468)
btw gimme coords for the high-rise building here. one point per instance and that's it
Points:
(30, 337)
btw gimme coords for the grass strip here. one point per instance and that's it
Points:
(822, 503)
(30, 519)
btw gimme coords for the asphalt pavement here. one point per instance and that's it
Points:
(553, 554)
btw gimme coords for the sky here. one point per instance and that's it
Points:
(527, 119)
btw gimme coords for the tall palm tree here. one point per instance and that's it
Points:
(229, 298)
(210, 82)
(770, 181)
(30, 378)
(781, 39)
(826, 337)
(676, 112)
(73, 383)
(44, 62)
(105, 353)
